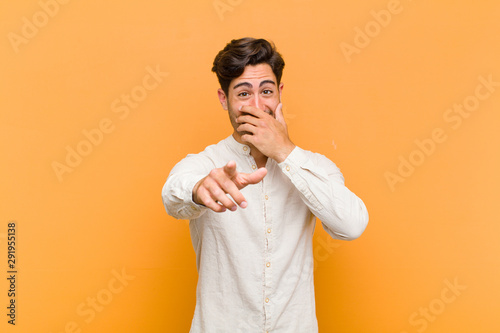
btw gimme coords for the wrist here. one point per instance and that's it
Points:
(283, 153)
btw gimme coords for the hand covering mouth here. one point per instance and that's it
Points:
(269, 112)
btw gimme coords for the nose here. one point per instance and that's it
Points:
(257, 102)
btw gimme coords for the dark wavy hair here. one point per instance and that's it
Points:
(231, 61)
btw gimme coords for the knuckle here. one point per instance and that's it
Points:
(208, 185)
(201, 192)
(217, 192)
(205, 199)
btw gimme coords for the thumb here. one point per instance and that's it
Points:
(279, 115)
(255, 177)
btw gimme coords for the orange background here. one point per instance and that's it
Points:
(364, 111)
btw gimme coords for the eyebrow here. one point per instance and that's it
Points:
(249, 85)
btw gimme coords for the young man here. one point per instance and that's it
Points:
(252, 200)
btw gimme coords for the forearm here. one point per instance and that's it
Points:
(321, 186)
(347, 217)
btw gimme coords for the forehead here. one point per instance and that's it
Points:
(255, 74)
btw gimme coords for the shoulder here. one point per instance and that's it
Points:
(213, 151)
(209, 158)
(217, 148)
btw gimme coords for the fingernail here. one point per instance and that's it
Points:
(233, 208)
(244, 204)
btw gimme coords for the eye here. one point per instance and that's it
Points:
(267, 92)
(243, 94)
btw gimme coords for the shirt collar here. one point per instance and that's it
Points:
(237, 147)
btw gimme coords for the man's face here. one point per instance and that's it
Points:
(257, 87)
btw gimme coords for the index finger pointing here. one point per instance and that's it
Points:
(230, 168)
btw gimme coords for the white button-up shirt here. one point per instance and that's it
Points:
(256, 264)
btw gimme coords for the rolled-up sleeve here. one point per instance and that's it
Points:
(321, 186)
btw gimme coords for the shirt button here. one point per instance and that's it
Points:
(268, 264)
(267, 300)
(254, 167)
(287, 168)
(267, 198)
(245, 148)
(268, 230)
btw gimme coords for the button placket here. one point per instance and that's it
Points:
(268, 250)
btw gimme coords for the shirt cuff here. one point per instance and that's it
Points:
(190, 209)
(293, 161)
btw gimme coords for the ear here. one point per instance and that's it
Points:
(280, 89)
(222, 98)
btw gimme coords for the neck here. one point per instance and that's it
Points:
(259, 158)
